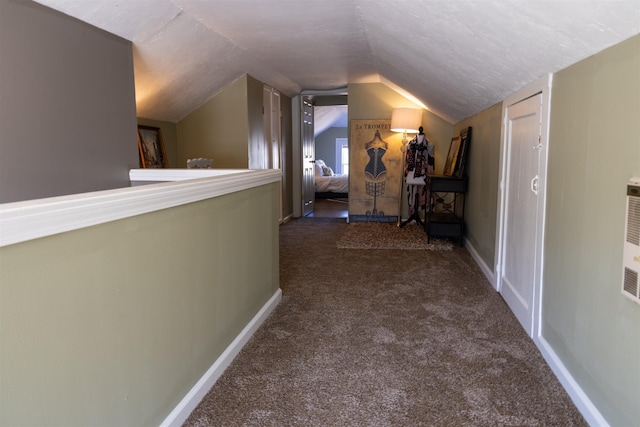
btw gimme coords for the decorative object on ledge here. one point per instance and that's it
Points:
(151, 148)
(200, 163)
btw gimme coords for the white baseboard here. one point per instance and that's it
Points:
(573, 389)
(483, 266)
(180, 413)
(579, 397)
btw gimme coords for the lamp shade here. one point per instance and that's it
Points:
(406, 120)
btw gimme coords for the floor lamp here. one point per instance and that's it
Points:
(405, 120)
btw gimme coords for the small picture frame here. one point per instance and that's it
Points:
(151, 148)
(461, 160)
(452, 156)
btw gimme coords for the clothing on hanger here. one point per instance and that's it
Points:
(420, 162)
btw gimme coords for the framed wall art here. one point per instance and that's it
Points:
(452, 156)
(151, 148)
(375, 171)
(463, 152)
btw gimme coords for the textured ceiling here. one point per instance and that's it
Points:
(325, 117)
(455, 57)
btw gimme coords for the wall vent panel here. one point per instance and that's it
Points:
(631, 252)
(633, 221)
(630, 284)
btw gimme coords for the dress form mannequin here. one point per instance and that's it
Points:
(420, 163)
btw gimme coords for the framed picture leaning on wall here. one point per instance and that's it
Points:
(452, 156)
(463, 150)
(151, 148)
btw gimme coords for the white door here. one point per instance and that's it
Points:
(272, 132)
(273, 136)
(519, 255)
(308, 157)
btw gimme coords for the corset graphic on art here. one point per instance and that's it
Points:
(374, 170)
(376, 149)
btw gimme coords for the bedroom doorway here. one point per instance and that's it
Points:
(327, 119)
(332, 156)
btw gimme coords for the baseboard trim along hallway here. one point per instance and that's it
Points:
(586, 407)
(478, 259)
(571, 386)
(180, 413)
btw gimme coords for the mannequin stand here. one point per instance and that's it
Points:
(415, 215)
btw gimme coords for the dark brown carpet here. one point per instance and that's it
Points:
(384, 338)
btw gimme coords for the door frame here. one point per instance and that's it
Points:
(541, 86)
(296, 149)
(296, 154)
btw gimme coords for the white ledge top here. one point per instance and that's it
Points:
(32, 219)
(179, 174)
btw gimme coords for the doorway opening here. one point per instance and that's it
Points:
(320, 171)
(331, 146)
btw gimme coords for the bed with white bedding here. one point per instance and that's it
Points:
(328, 184)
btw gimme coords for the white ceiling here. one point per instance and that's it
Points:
(325, 117)
(456, 57)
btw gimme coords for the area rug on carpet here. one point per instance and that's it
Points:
(375, 235)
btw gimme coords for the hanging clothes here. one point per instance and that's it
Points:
(420, 162)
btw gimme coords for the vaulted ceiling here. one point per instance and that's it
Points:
(455, 57)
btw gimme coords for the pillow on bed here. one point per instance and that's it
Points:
(327, 171)
(319, 165)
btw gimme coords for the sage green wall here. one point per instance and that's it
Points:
(229, 128)
(112, 325)
(169, 133)
(218, 129)
(483, 164)
(594, 148)
(67, 102)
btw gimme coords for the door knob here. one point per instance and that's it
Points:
(534, 185)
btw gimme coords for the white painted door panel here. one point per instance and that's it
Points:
(308, 157)
(521, 206)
